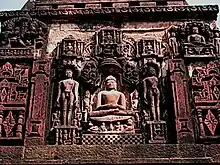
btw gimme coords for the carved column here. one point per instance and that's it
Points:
(36, 122)
(180, 100)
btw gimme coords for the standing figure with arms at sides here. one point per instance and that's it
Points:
(67, 99)
(173, 43)
(152, 93)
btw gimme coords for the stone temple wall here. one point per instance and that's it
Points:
(109, 82)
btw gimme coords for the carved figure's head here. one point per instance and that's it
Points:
(195, 30)
(173, 34)
(69, 73)
(87, 94)
(130, 122)
(217, 34)
(110, 82)
(152, 71)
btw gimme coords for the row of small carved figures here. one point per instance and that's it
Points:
(118, 127)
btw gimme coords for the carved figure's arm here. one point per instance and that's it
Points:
(122, 102)
(188, 39)
(145, 91)
(76, 88)
(59, 93)
(99, 100)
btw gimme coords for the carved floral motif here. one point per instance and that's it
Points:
(211, 122)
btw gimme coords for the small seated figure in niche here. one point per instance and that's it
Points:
(196, 38)
(149, 48)
(108, 37)
(129, 126)
(118, 126)
(103, 127)
(92, 127)
(69, 49)
(67, 98)
(152, 93)
(65, 137)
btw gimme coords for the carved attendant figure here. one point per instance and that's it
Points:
(173, 43)
(217, 42)
(149, 48)
(87, 105)
(152, 93)
(68, 96)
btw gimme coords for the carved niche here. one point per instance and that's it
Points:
(196, 39)
(13, 99)
(108, 43)
(109, 96)
(149, 47)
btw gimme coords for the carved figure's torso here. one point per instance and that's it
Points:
(110, 97)
(196, 38)
(68, 86)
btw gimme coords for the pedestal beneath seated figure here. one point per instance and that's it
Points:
(156, 132)
(112, 124)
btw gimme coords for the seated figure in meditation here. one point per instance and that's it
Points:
(111, 98)
(111, 110)
(198, 41)
(196, 38)
(110, 101)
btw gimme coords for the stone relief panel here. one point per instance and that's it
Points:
(23, 32)
(13, 99)
(108, 89)
(122, 78)
(205, 91)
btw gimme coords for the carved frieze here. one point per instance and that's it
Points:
(193, 10)
(23, 32)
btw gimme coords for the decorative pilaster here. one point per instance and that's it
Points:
(35, 134)
(180, 96)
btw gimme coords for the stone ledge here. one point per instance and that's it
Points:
(121, 161)
(111, 154)
(110, 10)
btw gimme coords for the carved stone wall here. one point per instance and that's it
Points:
(133, 84)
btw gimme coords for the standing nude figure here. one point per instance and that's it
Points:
(152, 93)
(67, 97)
(217, 42)
(173, 43)
(87, 105)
